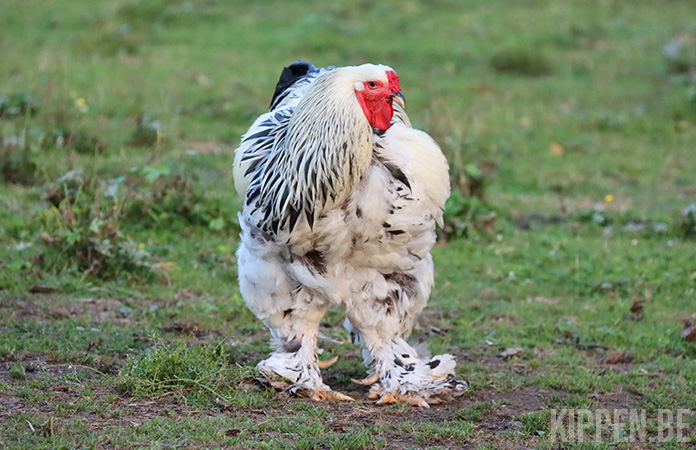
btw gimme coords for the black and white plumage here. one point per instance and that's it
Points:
(341, 200)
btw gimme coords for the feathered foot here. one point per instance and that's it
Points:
(402, 375)
(301, 387)
(297, 373)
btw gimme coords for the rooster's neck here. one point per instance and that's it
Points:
(330, 143)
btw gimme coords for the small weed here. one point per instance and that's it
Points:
(147, 133)
(6, 350)
(688, 221)
(595, 215)
(463, 215)
(77, 139)
(469, 180)
(160, 195)
(475, 412)
(577, 401)
(18, 154)
(554, 399)
(82, 230)
(680, 53)
(17, 371)
(165, 366)
(680, 58)
(19, 104)
(681, 100)
(535, 423)
(200, 372)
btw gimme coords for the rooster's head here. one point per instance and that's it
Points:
(376, 88)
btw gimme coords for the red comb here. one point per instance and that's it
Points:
(393, 80)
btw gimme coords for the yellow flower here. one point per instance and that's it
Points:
(81, 105)
(609, 198)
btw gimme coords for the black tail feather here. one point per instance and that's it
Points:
(289, 75)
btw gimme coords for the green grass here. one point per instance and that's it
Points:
(118, 222)
(476, 411)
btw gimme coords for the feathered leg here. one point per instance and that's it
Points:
(400, 373)
(294, 365)
(291, 313)
(381, 321)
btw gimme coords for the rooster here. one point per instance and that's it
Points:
(341, 200)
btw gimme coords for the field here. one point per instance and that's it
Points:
(570, 128)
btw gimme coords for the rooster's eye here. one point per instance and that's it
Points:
(372, 84)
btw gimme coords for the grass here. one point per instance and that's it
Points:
(570, 135)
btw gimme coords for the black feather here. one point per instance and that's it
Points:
(310, 218)
(252, 168)
(261, 133)
(267, 210)
(284, 196)
(322, 199)
(294, 215)
(289, 75)
(252, 194)
(398, 174)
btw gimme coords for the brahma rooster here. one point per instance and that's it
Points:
(341, 199)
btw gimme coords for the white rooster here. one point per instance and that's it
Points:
(341, 199)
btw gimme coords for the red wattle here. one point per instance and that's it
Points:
(382, 116)
(378, 110)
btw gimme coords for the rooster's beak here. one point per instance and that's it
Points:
(398, 97)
